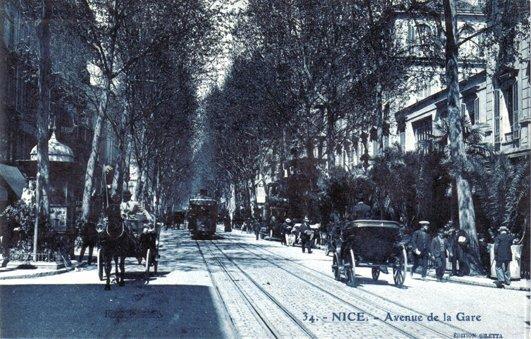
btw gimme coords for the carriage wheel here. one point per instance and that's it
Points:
(148, 260)
(400, 270)
(351, 271)
(99, 262)
(335, 268)
(375, 273)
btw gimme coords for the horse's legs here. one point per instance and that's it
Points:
(122, 271)
(116, 267)
(108, 267)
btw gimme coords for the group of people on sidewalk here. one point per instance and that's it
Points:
(453, 244)
(288, 232)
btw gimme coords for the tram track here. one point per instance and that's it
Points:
(273, 327)
(448, 331)
(393, 329)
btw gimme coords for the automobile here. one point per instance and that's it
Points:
(377, 244)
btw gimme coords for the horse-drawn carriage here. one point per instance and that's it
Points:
(136, 237)
(370, 243)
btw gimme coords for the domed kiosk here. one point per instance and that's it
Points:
(61, 168)
(57, 152)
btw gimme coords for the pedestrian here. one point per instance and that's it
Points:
(503, 256)
(420, 242)
(168, 220)
(256, 226)
(71, 236)
(272, 227)
(453, 250)
(306, 235)
(284, 229)
(438, 254)
(227, 222)
(7, 225)
(462, 241)
(89, 237)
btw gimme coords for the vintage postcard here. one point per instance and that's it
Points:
(265, 168)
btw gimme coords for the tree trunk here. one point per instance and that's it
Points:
(457, 147)
(117, 180)
(379, 118)
(43, 121)
(330, 139)
(96, 139)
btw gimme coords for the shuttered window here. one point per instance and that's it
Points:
(497, 120)
(515, 122)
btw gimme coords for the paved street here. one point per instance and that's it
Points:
(235, 286)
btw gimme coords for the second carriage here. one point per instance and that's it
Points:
(376, 244)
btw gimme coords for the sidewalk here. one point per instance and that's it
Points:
(517, 285)
(20, 273)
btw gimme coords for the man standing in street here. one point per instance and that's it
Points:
(7, 225)
(89, 237)
(438, 253)
(462, 240)
(453, 248)
(305, 232)
(256, 226)
(284, 231)
(420, 242)
(503, 256)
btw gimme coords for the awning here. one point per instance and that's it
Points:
(14, 178)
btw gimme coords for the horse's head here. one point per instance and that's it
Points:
(114, 230)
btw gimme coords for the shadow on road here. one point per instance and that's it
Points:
(89, 311)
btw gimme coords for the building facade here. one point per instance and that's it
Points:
(497, 104)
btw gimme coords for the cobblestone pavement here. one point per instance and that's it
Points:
(235, 286)
(501, 313)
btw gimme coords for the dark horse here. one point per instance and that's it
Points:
(117, 242)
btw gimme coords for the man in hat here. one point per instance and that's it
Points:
(438, 253)
(461, 241)
(361, 211)
(420, 242)
(89, 238)
(257, 225)
(503, 256)
(284, 229)
(453, 247)
(306, 235)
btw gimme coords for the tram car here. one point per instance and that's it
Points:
(202, 217)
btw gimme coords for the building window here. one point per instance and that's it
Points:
(472, 106)
(496, 120)
(410, 34)
(513, 113)
(423, 31)
(422, 130)
(476, 111)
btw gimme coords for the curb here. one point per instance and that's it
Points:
(483, 284)
(37, 275)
